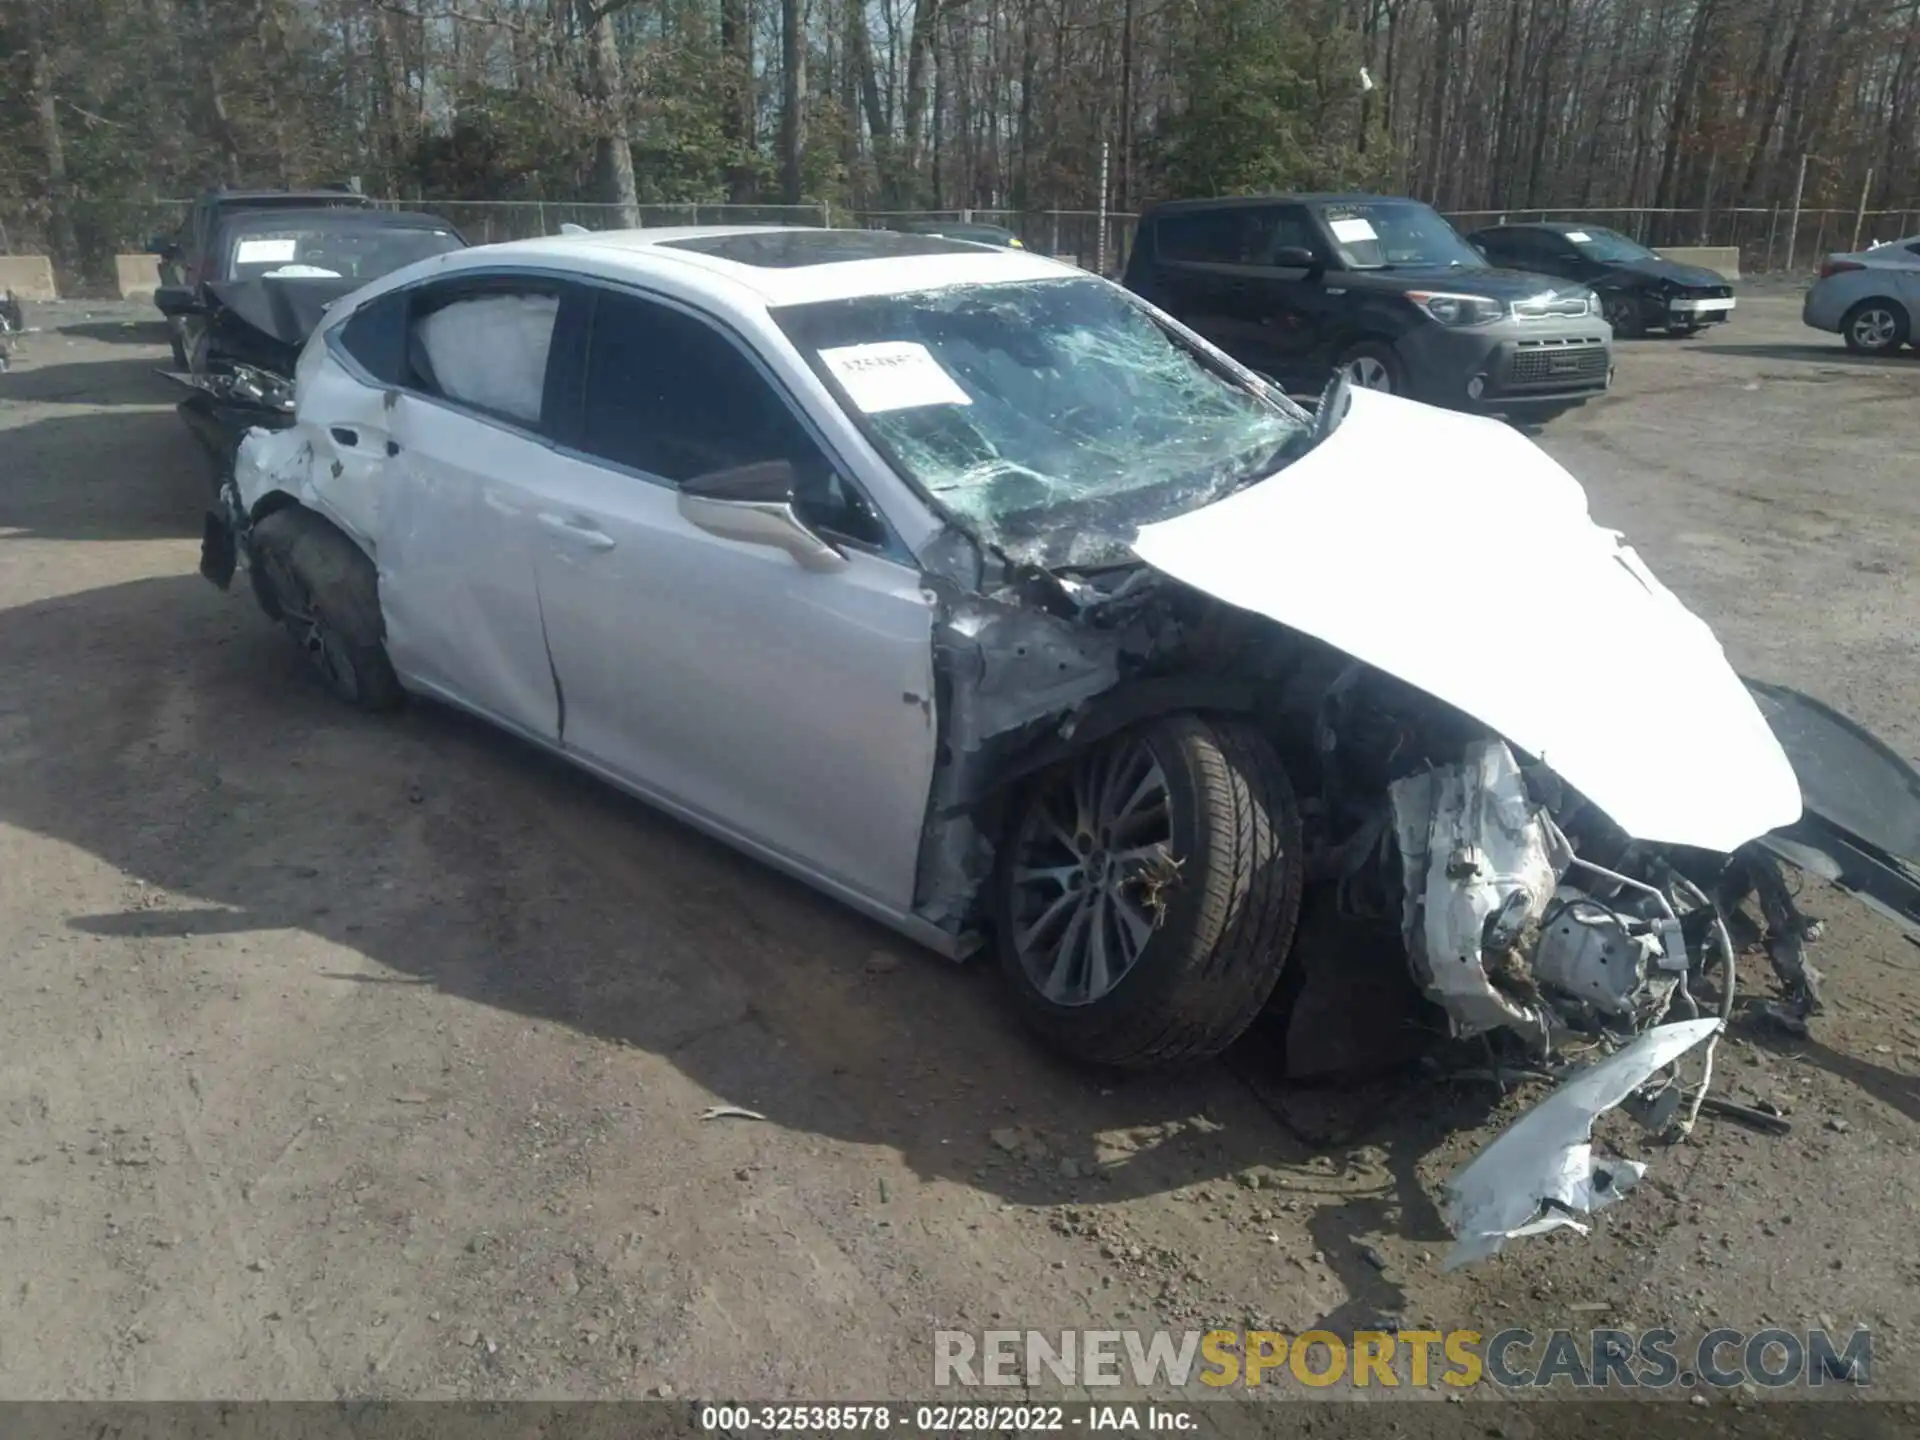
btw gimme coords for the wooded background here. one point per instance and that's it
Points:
(1694, 106)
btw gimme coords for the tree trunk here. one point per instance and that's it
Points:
(737, 109)
(216, 97)
(926, 16)
(860, 56)
(612, 150)
(793, 98)
(61, 249)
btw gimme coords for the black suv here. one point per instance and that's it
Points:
(187, 257)
(1299, 286)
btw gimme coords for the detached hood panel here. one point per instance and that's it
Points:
(1452, 552)
(283, 310)
(1660, 268)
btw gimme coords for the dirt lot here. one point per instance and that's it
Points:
(355, 1057)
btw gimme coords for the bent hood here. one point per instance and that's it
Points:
(1452, 552)
(287, 310)
(1696, 277)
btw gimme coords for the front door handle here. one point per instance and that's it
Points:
(577, 530)
(344, 436)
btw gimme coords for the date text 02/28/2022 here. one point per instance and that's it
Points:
(963, 1419)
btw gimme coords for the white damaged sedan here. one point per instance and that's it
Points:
(974, 591)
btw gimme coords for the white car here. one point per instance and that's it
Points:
(976, 592)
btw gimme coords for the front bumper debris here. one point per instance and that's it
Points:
(223, 536)
(1701, 310)
(1540, 1173)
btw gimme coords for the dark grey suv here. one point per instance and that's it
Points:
(1298, 286)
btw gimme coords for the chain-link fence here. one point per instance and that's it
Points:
(1087, 238)
(1769, 240)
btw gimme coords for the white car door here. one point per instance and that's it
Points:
(446, 419)
(791, 708)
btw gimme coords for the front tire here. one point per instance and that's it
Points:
(1147, 892)
(1875, 327)
(326, 592)
(1622, 312)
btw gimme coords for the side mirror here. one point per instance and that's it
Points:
(1296, 257)
(754, 504)
(175, 300)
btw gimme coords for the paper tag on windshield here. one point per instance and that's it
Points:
(1578, 235)
(264, 252)
(1353, 231)
(893, 375)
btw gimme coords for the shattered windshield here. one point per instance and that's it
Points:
(328, 248)
(1608, 246)
(1054, 416)
(1397, 234)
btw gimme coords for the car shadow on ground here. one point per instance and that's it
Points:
(115, 332)
(1890, 1087)
(36, 378)
(175, 734)
(123, 474)
(643, 907)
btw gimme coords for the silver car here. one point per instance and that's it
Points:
(976, 592)
(1870, 298)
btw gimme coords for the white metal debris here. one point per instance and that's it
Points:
(1540, 1172)
(1474, 847)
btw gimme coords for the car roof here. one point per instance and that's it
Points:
(288, 197)
(776, 265)
(1234, 202)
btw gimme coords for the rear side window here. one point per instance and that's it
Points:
(376, 338)
(1207, 236)
(485, 350)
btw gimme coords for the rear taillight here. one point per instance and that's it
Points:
(1839, 267)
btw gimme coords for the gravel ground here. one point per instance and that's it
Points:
(354, 1057)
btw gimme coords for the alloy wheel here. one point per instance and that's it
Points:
(1093, 857)
(324, 647)
(1876, 328)
(1370, 373)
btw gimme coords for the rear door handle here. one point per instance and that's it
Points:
(577, 530)
(345, 436)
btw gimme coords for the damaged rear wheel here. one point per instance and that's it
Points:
(1148, 892)
(327, 594)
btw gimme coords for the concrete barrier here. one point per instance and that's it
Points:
(1722, 258)
(139, 275)
(28, 276)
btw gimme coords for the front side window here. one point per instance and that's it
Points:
(1285, 227)
(486, 349)
(1397, 235)
(668, 395)
(1051, 417)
